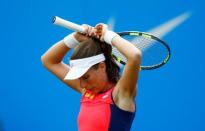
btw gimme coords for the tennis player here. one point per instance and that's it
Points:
(108, 99)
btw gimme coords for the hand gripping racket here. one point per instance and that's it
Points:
(155, 52)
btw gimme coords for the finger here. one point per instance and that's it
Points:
(87, 29)
(98, 28)
(91, 31)
(101, 28)
(98, 33)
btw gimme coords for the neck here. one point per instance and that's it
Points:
(107, 86)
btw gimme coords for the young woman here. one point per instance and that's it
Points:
(108, 99)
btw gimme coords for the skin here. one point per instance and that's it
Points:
(96, 80)
(91, 80)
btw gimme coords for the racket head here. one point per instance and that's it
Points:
(155, 52)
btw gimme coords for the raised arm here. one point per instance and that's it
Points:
(52, 59)
(126, 86)
(125, 90)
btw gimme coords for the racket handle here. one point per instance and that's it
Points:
(67, 24)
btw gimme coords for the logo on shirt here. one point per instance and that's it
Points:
(89, 95)
(105, 96)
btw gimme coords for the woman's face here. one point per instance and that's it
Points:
(95, 79)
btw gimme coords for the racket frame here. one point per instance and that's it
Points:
(149, 36)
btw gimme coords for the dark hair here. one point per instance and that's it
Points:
(92, 47)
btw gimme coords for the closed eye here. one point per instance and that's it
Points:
(85, 77)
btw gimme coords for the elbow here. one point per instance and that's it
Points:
(47, 62)
(44, 61)
(137, 55)
(137, 58)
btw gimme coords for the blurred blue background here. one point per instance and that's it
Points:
(32, 99)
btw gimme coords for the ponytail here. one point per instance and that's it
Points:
(112, 68)
(92, 47)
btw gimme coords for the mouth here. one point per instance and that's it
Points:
(89, 88)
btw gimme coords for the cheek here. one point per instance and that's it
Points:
(94, 81)
(98, 80)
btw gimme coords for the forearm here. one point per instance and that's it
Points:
(127, 49)
(55, 54)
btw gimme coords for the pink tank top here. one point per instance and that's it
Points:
(94, 113)
(99, 113)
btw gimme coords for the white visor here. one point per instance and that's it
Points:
(79, 67)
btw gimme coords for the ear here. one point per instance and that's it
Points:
(102, 65)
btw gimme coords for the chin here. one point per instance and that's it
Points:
(94, 91)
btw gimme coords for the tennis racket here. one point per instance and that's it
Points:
(155, 52)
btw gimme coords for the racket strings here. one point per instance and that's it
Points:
(152, 51)
(143, 43)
